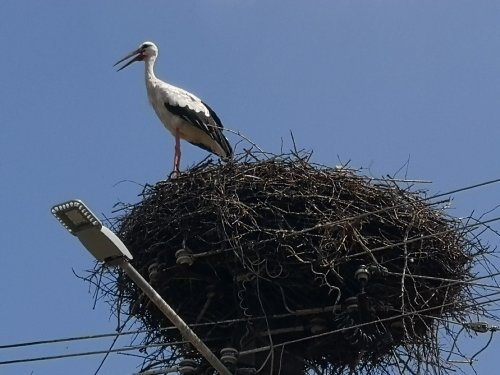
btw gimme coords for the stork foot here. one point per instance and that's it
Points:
(175, 173)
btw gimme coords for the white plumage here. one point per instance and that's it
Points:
(182, 113)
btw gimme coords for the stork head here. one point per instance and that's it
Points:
(146, 51)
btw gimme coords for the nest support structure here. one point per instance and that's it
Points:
(296, 266)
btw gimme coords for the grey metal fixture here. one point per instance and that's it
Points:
(106, 247)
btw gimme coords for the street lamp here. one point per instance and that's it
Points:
(106, 247)
(101, 242)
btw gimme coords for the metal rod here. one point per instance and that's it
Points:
(176, 320)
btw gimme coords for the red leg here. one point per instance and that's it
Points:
(177, 155)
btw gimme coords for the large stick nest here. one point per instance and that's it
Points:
(330, 268)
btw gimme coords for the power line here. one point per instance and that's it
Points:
(459, 190)
(382, 210)
(470, 187)
(255, 350)
(220, 322)
(112, 345)
(303, 312)
(451, 282)
(360, 325)
(159, 372)
(78, 338)
(130, 348)
(415, 239)
(95, 352)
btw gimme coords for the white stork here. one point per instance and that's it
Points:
(181, 112)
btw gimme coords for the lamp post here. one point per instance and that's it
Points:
(106, 247)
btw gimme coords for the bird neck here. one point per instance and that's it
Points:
(149, 70)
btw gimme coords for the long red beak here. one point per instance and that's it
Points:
(138, 57)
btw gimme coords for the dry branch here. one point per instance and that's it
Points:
(258, 252)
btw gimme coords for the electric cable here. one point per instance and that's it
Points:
(130, 348)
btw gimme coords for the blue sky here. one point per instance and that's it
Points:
(378, 83)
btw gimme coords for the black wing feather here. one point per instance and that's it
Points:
(211, 125)
(221, 139)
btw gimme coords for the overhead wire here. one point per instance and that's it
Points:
(137, 347)
(419, 238)
(450, 282)
(24, 344)
(381, 210)
(88, 353)
(250, 351)
(360, 325)
(112, 345)
(77, 338)
(459, 190)
(140, 331)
